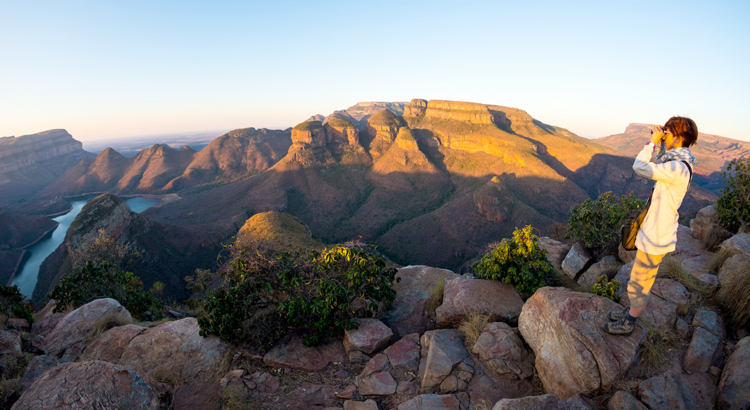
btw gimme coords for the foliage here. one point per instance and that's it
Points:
(654, 348)
(200, 282)
(103, 248)
(106, 280)
(14, 304)
(436, 296)
(596, 222)
(157, 289)
(606, 288)
(518, 261)
(309, 126)
(267, 292)
(734, 205)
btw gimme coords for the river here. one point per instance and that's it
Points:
(35, 254)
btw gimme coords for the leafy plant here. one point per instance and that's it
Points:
(734, 205)
(267, 292)
(606, 288)
(517, 261)
(200, 282)
(106, 280)
(103, 248)
(596, 222)
(14, 304)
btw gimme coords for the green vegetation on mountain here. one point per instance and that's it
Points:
(308, 126)
(734, 204)
(339, 123)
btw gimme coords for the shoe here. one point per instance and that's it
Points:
(622, 327)
(616, 315)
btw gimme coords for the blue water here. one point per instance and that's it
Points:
(38, 252)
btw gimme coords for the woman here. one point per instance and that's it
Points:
(658, 234)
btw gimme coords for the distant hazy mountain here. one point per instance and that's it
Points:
(712, 151)
(29, 162)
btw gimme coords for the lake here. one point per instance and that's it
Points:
(36, 254)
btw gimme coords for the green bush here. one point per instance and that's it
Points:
(597, 222)
(734, 205)
(106, 280)
(267, 292)
(14, 304)
(606, 288)
(518, 261)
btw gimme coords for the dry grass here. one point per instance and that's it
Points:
(234, 399)
(673, 268)
(472, 327)
(170, 377)
(436, 296)
(105, 323)
(718, 260)
(655, 347)
(714, 236)
(734, 297)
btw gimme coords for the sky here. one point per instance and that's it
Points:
(115, 69)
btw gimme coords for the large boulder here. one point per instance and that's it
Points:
(10, 342)
(407, 314)
(700, 278)
(704, 219)
(493, 298)
(607, 266)
(431, 402)
(503, 350)
(576, 260)
(110, 346)
(36, 368)
(623, 400)
(441, 351)
(292, 353)
(678, 391)
(573, 353)
(404, 354)
(737, 244)
(89, 385)
(544, 402)
(199, 394)
(70, 336)
(556, 251)
(734, 386)
(176, 349)
(673, 292)
(710, 321)
(378, 384)
(371, 336)
(687, 246)
(701, 351)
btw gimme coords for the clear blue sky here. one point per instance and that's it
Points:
(106, 69)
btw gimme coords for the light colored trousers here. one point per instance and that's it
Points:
(642, 277)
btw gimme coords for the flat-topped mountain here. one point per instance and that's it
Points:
(29, 162)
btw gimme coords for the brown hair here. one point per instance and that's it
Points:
(684, 128)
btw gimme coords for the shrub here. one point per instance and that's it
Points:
(268, 292)
(606, 288)
(106, 280)
(518, 261)
(200, 282)
(103, 248)
(597, 222)
(733, 293)
(655, 347)
(14, 304)
(734, 205)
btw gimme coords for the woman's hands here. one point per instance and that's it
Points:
(657, 134)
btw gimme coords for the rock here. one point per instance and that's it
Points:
(683, 329)
(431, 402)
(673, 292)
(704, 219)
(701, 351)
(197, 395)
(294, 354)
(732, 278)
(22, 325)
(729, 348)
(10, 342)
(576, 402)
(441, 351)
(698, 275)
(576, 260)
(176, 349)
(715, 372)
(68, 339)
(112, 344)
(623, 400)
(573, 353)
(376, 364)
(358, 357)
(407, 314)
(314, 394)
(348, 393)
(38, 343)
(37, 366)
(360, 405)
(452, 384)
(687, 246)
(407, 389)
(371, 336)
(678, 391)
(710, 321)
(404, 354)
(738, 244)
(378, 384)
(264, 382)
(556, 251)
(44, 326)
(734, 386)
(230, 376)
(658, 312)
(341, 374)
(462, 296)
(607, 266)
(94, 385)
(626, 256)
(503, 351)
(545, 402)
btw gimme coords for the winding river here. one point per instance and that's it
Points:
(35, 254)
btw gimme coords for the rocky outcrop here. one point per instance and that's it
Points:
(504, 352)
(701, 352)
(544, 402)
(734, 386)
(460, 111)
(110, 346)
(442, 350)
(703, 221)
(95, 385)
(36, 368)
(493, 298)
(576, 260)
(608, 266)
(737, 244)
(678, 391)
(341, 131)
(10, 342)
(29, 150)
(556, 251)
(371, 336)
(175, 349)
(573, 353)
(309, 135)
(416, 108)
(292, 353)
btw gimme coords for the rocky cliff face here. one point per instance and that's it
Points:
(460, 111)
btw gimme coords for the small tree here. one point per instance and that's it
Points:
(734, 205)
(103, 248)
(14, 304)
(519, 262)
(596, 222)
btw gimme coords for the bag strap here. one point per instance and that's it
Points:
(690, 169)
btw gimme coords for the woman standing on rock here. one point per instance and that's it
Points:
(657, 236)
